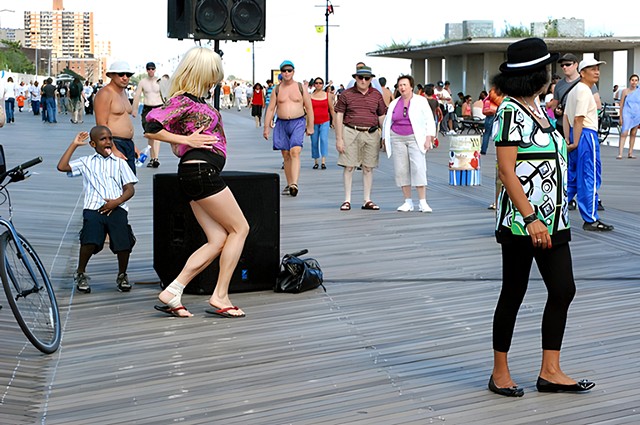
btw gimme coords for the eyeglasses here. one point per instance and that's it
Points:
(151, 69)
(287, 70)
(404, 112)
(564, 65)
(360, 77)
(122, 74)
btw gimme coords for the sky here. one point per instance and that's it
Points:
(138, 28)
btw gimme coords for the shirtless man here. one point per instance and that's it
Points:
(150, 88)
(112, 109)
(290, 100)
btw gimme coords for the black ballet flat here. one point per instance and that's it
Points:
(545, 386)
(507, 392)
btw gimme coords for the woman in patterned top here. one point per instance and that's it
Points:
(532, 216)
(195, 132)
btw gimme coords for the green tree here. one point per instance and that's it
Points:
(516, 32)
(11, 57)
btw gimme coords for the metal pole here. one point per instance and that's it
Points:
(253, 62)
(326, 50)
(216, 91)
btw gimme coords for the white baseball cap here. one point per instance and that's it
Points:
(585, 63)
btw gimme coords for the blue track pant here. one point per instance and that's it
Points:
(585, 175)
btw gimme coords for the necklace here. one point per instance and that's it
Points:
(535, 111)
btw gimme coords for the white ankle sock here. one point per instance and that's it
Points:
(409, 201)
(175, 288)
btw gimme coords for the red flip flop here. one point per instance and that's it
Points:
(171, 311)
(223, 312)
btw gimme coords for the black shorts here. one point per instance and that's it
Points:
(199, 180)
(96, 226)
(256, 110)
(145, 110)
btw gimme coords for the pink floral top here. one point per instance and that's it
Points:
(183, 115)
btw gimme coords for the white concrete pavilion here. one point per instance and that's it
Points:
(470, 63)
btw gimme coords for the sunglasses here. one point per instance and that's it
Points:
(317, 82)
(564, 65)
(151, 69)
(360, 77)
(122, 74)
(287, 70)
(404, 112)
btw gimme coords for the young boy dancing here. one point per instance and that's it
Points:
(108, 183)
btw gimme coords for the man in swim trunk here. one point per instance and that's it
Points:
(290, 100)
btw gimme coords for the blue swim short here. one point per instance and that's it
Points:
(289, 133)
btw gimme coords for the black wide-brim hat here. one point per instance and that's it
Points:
(527, 55)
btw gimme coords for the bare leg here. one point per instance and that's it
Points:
(621, 141)
(406, 192)
(550, 369)
(501, 374)
(86, 251)
(294, 164)
(155, 148)
(286, 157)
(123, 261)
(367, 182)
(422, 192)
(632, 140)
(347, 177)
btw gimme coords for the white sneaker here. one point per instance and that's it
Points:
(406, 207)
(424, 207)
(451, 132)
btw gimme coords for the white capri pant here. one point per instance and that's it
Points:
(409, 163)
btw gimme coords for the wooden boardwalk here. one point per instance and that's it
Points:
(402, 335)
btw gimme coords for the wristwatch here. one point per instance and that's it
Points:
(530, 219)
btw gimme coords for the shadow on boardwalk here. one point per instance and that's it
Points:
(402, 336)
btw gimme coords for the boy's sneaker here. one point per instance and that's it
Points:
(82, 282)
(123, 283)
(424, 207)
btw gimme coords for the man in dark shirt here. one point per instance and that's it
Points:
(49, 100)
(360, 111)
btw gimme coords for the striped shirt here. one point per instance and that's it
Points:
(103, 178)
(360, 109)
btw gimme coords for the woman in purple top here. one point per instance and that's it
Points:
(408, 132)
(195, 132)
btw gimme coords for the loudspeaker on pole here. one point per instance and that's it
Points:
(217, 19)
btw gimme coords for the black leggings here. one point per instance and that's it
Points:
(556, 270)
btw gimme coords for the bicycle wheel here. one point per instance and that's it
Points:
(604, 127)
(30, 295)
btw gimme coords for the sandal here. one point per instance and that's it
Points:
(619, 157)
(285, 191)
(346, 206)
(369, 205)
(315, 166)
(631, 157)
(597, 226)
(293, 189)
(324, 166)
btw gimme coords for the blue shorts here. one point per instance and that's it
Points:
(96, 226)
(289, 133)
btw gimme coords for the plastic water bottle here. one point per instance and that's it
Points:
(143, 156)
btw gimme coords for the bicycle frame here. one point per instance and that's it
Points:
(14, 234)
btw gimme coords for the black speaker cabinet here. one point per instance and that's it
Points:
(217, 19)
(177, 234)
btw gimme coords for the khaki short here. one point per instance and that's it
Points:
(360, 148)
